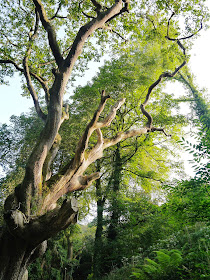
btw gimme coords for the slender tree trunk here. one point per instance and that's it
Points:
(115, 209)
(200, 106)
(98, 245)
(69, 248)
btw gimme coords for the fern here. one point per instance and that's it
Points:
(163, 267)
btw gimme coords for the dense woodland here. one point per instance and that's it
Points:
(94, 186)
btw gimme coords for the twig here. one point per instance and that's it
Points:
(142, 176)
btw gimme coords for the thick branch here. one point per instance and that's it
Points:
(73, 179)
(50, 31)
(41, 228)
(123, 10)
(86, 30)
(86, 181)
(97, 5)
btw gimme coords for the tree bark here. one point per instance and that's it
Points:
(98, 244)
(115, 209)
(22, 241)
(15, 256)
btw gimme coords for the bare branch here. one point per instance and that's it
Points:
(168, 25)
(190, 36)
(182, 38)
(113, 31)
(88, 16)
(83, 143)
(32, 91)
(123, 136)
(107, 121)
(157, 82)
(56, 13)
(142, 175)
(152, 21)
(9, 40)
(53, 61)
(9, 61)
(160, 129)
(128, 158)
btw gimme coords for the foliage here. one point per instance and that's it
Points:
(165, 266)
(63, 255)
(188, 202)
(183, 255)
(193, 242)
(201, 148)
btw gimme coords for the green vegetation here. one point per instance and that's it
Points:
(109, 154)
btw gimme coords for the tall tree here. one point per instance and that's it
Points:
(30, 45)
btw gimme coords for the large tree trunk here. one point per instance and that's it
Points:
(23, 241)
(14, 257)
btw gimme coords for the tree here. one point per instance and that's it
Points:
(29, 45)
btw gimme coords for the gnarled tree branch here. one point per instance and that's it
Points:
(157, 82)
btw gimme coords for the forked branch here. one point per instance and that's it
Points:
(74, 178)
